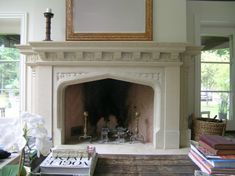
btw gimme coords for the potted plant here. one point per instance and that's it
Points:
(223, 107)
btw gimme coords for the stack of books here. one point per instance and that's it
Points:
(214, 154)
(79, 162)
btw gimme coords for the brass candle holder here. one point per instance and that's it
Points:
(85, 136)
(136, 137)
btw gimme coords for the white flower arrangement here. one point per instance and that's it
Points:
(34, 126)
(14, 135)
(11, 136)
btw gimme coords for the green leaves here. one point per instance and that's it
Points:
(215, 70)
(9, 69)
(12, 170)
(9, 54)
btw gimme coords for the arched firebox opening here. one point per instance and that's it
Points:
(112, 105)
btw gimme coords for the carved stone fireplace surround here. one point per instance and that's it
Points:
(166, 67)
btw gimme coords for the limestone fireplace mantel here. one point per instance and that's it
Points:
(166, 67)
(120, 53)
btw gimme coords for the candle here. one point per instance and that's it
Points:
(48, 10)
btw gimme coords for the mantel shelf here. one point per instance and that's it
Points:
(86, 52)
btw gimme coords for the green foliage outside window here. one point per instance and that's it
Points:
(215, 81)
(215, 76)
(9, 70)
(223, 107)
(9, 80)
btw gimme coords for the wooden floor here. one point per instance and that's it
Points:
(144, 165)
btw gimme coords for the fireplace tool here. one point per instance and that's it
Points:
(85, 136)
(136, 136)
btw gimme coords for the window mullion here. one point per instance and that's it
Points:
(206, 62)
(7, 61)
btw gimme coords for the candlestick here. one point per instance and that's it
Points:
(48, 14)
(136, 136)
(85, 136)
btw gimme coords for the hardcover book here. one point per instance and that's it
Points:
(227, 161)
(218, 142)
(70, 162)
(206, 167)
(78, 165)
(216, 151)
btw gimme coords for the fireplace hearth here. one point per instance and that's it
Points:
(112, 81)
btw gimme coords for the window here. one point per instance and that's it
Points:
(9, 76)
(215, 77)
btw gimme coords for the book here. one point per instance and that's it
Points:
(216, 151)
(200, 151)
(200, 173)
(82, 166)
(207, 167)
(198, 163)
(215, 161)
(222, 163)
(218, 142)
(208, 154)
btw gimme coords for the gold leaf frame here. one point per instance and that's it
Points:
(147, 35)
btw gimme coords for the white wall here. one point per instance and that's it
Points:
(36, 19)
(58, 21)
(9, 26)
(207, 11)
(169, 18)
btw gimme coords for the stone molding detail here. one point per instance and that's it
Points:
(54, 53)
(61, 76)
(33, 73)
(156, 76)
(153, 77)
(103, 56)
(31, 59)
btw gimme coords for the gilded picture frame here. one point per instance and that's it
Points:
(75, 17)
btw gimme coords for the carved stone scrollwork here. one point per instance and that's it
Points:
(68, 75)
(144, 76)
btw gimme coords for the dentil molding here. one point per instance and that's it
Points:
(96, 53)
